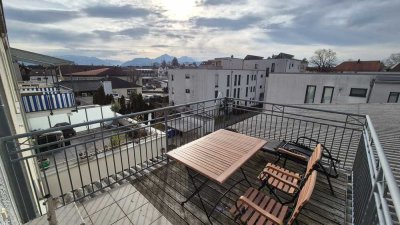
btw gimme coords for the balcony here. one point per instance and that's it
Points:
(114, 174)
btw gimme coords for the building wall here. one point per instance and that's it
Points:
(124, 91)
(203, 86)
(290, 88)
(380, 92)
(281, 65)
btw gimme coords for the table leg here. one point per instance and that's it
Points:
(244, 175)
(197, 191)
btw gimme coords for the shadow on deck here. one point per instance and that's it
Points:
(167, 186)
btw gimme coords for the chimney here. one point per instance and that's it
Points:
(358, 61)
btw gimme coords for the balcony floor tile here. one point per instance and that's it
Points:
(107, 215)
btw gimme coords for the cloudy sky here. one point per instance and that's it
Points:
(125, 29)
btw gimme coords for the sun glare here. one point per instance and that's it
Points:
(179, 9)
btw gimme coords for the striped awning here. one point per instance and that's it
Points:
(35, 103)
(48, 90)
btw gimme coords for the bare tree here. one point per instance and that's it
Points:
(324, 59)
(392, 60)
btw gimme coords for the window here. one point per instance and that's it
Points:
(216, 94)
(255, 66)
(234, 92)
(228, 80)
(235, 82)
(247, 91)
(247, 81)
(187, 76)
(262, 76)
(238, 93)
(273, 67)
(227, 93)
(327, 95)
(216, 80)
(267, 72)
(260, 86)
(39, 79)
(310, 94)
(187, 90)
(358, 92)
(393, 97)
(131, 91)
(172, 77)
(240, 77)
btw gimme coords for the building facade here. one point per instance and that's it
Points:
(191, 85)
(281, 63)
(332, 88)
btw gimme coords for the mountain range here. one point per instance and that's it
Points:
(86, 60)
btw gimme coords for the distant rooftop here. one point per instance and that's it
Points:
(95, 72)
(360, 66)
(253, 57)
(282, 56)
(119, 83)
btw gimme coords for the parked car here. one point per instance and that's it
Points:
(50, 137)
(67, 132)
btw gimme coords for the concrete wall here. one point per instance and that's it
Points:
(290, 88)
(281, 65)
(380, 92)
(125, 158)
(124, 91)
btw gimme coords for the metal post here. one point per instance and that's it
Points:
(51, 210)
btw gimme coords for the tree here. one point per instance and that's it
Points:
(324, 59)
(175, 62)
(163, 64)
(122, 103)
(136, 103)
(115, 106)
(99, 97)
(392, 60)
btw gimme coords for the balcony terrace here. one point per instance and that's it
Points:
(134, 182)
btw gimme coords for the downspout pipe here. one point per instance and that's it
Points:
(371, 86)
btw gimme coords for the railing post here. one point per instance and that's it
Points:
(166, 131)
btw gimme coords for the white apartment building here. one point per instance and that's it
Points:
(281, 63)
(191, 85)
(333, 88)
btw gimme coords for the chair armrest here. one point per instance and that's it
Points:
(290, 153)
(283, 180)
(282, 171)
(251, 204)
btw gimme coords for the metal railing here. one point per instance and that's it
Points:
(110, 150)
(376, 195)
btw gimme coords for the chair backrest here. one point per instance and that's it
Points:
(304, 196)
(314, 159)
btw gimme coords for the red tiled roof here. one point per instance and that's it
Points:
(95, 72)
(360, 66)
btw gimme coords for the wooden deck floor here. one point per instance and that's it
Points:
(168, 185)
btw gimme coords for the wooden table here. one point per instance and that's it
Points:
(216, 156)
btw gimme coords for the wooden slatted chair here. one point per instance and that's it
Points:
(254, 207)
(278, 178)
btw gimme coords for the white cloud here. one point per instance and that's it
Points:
(205, 28)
